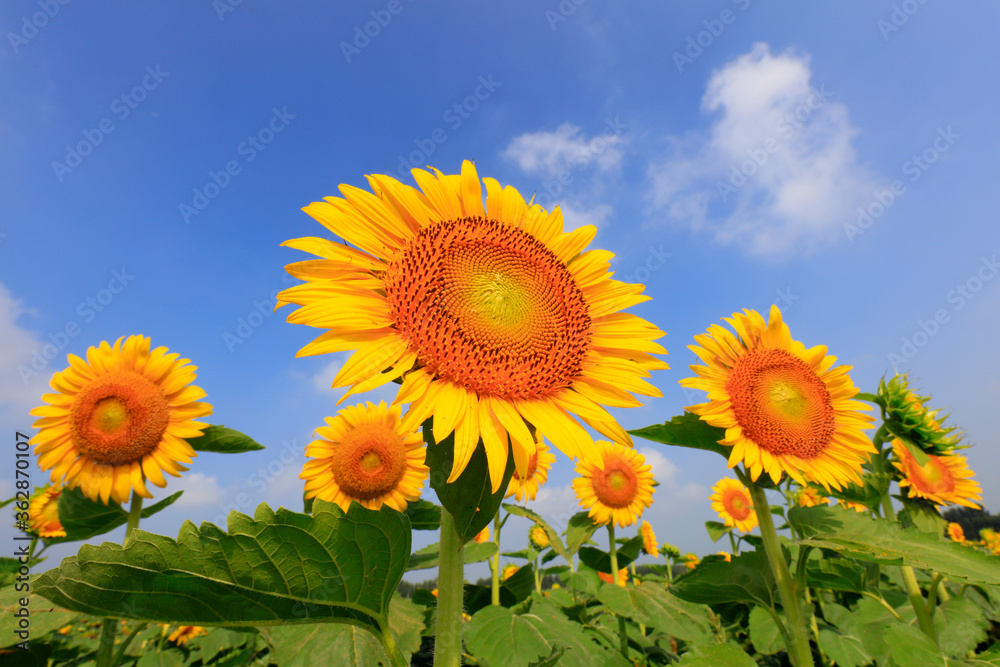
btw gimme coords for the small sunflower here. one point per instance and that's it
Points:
(364, 454)
(538, 537)
(728, 556)
(857, 507)
(732, 502)
(492, 316)
(670, 551)
(508, 571)
(943, 479)
(622, 577)
(648, 539)
(810, 497)
(482, 536)
(621, 490)
(181, 635)
(955, 532)
(121, 417)
(907, 417)
(784, 408)
(691, 560)
(43, 513)
(539, 463)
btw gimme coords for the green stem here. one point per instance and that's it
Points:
(134, 514)
(732, 543)
(106, 656)
(495, 563)
(451, 584)
(389, 644)
(798, 649)
(622, 631)
(538, 577)
(128, 640)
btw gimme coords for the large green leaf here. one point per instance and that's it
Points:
(845, 650)
(843, 574)
(884, 542)
(654, 607)
(424, 515)
(472, 552)
(909, 647)
(716, 655)
(746, 579)
(578, 531)
(276, 568)
(223, 440)
(43, 616)
(554, 540)
(83, 518)
(687, 430)
(764, 632)
(470, 498)
(961, 626)
(600, 560)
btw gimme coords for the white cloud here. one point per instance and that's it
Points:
(575, 216)
(21, 385)
(200, 490)
(550, 153)
(777, 173)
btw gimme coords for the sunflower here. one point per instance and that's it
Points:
(120, 418)
(955, 532)
(493, 317)
(43, 513)
(365, 454)
(907, 417)
(731, 501)
(622, 577)
(618, 487)
(943, 479)
(691, 560)
(508, 571)
(857, 507)
(784, 408)
(538, 537)
(648, 539)
(539, 463)
(810, 497)
(725, 554)
(482, 536)
(181, 635)
(670, 551)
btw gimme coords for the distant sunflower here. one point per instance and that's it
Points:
(508, 571)
(181, 635)
(732, 502)
(619, 492)
(364, 454)
(648, 539)
(43, 513)
(955, 532)
(691, 560)
(943, 479)
(493, 317)
(120, 418)
(526, 488)
(728, 556)
(670, 551)
(482, 536)
(538, 537)
(810, 497)
(622, 577)
(784, 408)
(857, 507)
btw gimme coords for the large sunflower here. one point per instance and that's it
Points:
(120, 418)
(43, 512)
(364, 454)
(784, 408)
(732, 502)
(493, 317)
(943, 479)
(618, 487)
(539, 463)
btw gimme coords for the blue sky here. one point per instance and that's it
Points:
(154, 157)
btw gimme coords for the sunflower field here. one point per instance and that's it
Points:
(508, 339)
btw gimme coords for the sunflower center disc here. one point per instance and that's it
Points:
(119, 418)
(490, 308)
(737, 507)
(781, 404)
(369, 462)
(616, 485)
(933, 477)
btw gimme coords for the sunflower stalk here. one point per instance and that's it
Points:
(798, 647)
(622, 631)
(106, 655)
(451, 584)
(495, 563)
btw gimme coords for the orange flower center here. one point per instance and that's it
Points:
(369, 461)
(532, 468)
(931, 478)
(781, 404)
(736, 504)
(490, 308)
(616, 486)
(119, 418)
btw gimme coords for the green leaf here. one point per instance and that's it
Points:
(171, 657)
(961, 626)
(424, 515)
(513, 590)
(600, 560)
(584, 580)
(716, 655)
(879, 541)
(909, 647)
(579, 530)
(924, 517)
(43, 616)
(223, 440)
(552, 660)
(470, 498)
(843, 574)
(844, 649)
(746, 579)
(716, 530)
(555, 542)
(83, 518)
(216, 641)
(764, 633)
(654, 607)
(276, 568)
(687, 430)
(472, 552)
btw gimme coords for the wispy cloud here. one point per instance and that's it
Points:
(550, 153)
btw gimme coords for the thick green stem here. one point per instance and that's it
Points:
(798, 648)
(495, 563)
(622, 631)
(106, 656)
(732, 543)
(134, 514)
(451, 585)
(389, 644)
